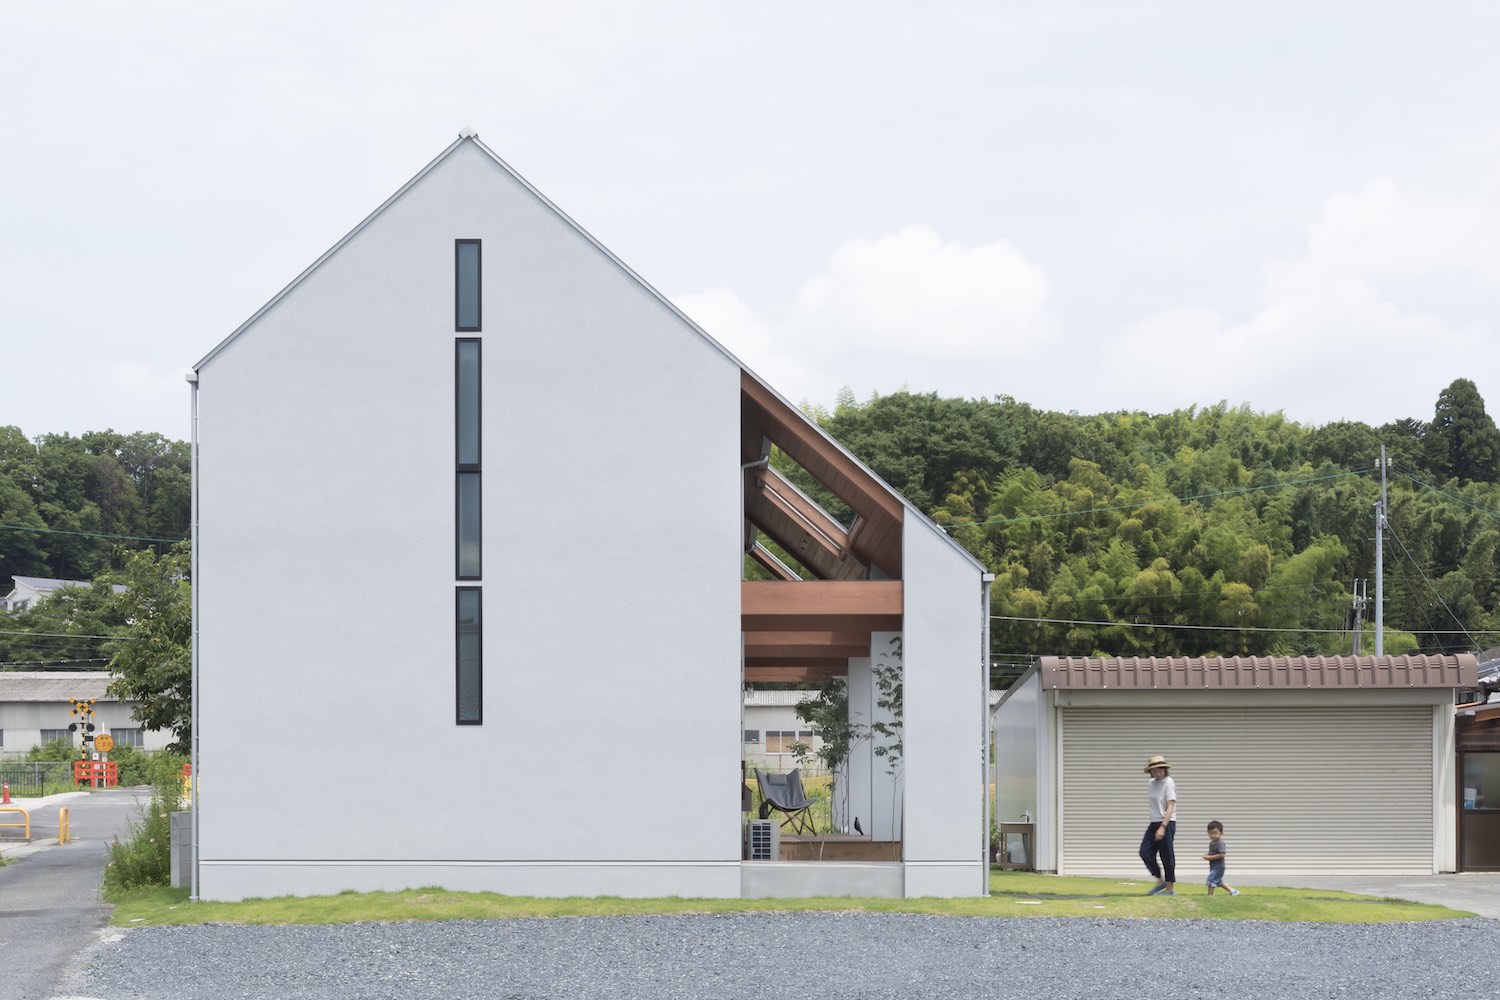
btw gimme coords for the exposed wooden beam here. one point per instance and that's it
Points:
(784, 645)
(810, 662)
(821, 605)
(811, 519)
(794, 434)
(768, 561)
(792, 675)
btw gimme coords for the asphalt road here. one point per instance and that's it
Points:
(50, 908)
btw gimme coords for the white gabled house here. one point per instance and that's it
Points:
(26, 591)
(468, 393)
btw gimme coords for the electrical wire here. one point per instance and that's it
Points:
(87, 534)
(68, 635)
(1216, 628)
(1442, 492)
(1430, 586)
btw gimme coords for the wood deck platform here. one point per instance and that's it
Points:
(838, 847)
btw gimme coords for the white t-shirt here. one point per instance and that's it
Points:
(1161, 791)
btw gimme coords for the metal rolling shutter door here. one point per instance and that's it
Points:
(1317, 790)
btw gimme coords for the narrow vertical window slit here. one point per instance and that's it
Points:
(470, 641)
(466, 282)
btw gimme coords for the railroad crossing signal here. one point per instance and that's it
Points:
(84, 709)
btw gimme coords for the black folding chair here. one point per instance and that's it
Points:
(783, 793)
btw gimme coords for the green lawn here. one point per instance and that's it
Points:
(1012, 894)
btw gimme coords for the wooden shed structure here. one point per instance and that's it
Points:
(1328, 765)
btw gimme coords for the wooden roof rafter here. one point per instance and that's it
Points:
(799, 525)
(874, 537)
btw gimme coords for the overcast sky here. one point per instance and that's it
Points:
(1084, 205)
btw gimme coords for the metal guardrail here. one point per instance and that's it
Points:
(30, 777)
(27, 782)
(26, 819)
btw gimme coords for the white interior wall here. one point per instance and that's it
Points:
(861, 761)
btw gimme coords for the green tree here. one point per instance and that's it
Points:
(65, 626)
(155, 664)
(1462, 442)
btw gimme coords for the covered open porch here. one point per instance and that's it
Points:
(829, 609)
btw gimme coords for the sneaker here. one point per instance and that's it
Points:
(1169, 892)
(1160, 887)
(1234, 892)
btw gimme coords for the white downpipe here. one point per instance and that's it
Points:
(197, 586)
(989, 729)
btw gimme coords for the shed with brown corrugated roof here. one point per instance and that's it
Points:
(1314, 764)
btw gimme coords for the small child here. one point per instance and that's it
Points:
(1215, 858)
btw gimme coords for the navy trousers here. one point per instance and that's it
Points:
(1151, 849)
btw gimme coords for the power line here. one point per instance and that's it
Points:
(1442, 492)
(67, 635)
(87, 534)
(52, 663)
(1431, 587)
(1220, 628)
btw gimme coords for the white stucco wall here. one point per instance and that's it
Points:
(329, 754)
(946, 717)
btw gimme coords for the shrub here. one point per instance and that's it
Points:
(57, 750)
(144, 858)
(140, 767)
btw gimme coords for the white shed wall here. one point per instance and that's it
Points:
(1017, 740)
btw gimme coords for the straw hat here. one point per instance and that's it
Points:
(1157, 761)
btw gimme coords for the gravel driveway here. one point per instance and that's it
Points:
(760, 956)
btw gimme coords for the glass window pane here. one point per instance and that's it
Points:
(468, 526)
(470, 656)
(466, 281)
(467, 377)
(1481, 780)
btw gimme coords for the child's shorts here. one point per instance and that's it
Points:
(1215, 875)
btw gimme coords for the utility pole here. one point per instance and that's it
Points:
(1361, 599)
(1380, 510)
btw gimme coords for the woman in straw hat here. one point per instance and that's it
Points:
(1157, 843)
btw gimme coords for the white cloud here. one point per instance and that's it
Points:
(1344, 324)
(907, 309)
(1348, 320)
(911, 288)
(1381, 233)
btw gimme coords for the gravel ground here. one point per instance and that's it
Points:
(762, 956)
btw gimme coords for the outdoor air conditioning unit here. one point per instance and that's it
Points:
(763, 840)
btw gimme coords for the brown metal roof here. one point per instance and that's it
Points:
(1277, 672)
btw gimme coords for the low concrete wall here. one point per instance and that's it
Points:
(182, 849)
(802, 879)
